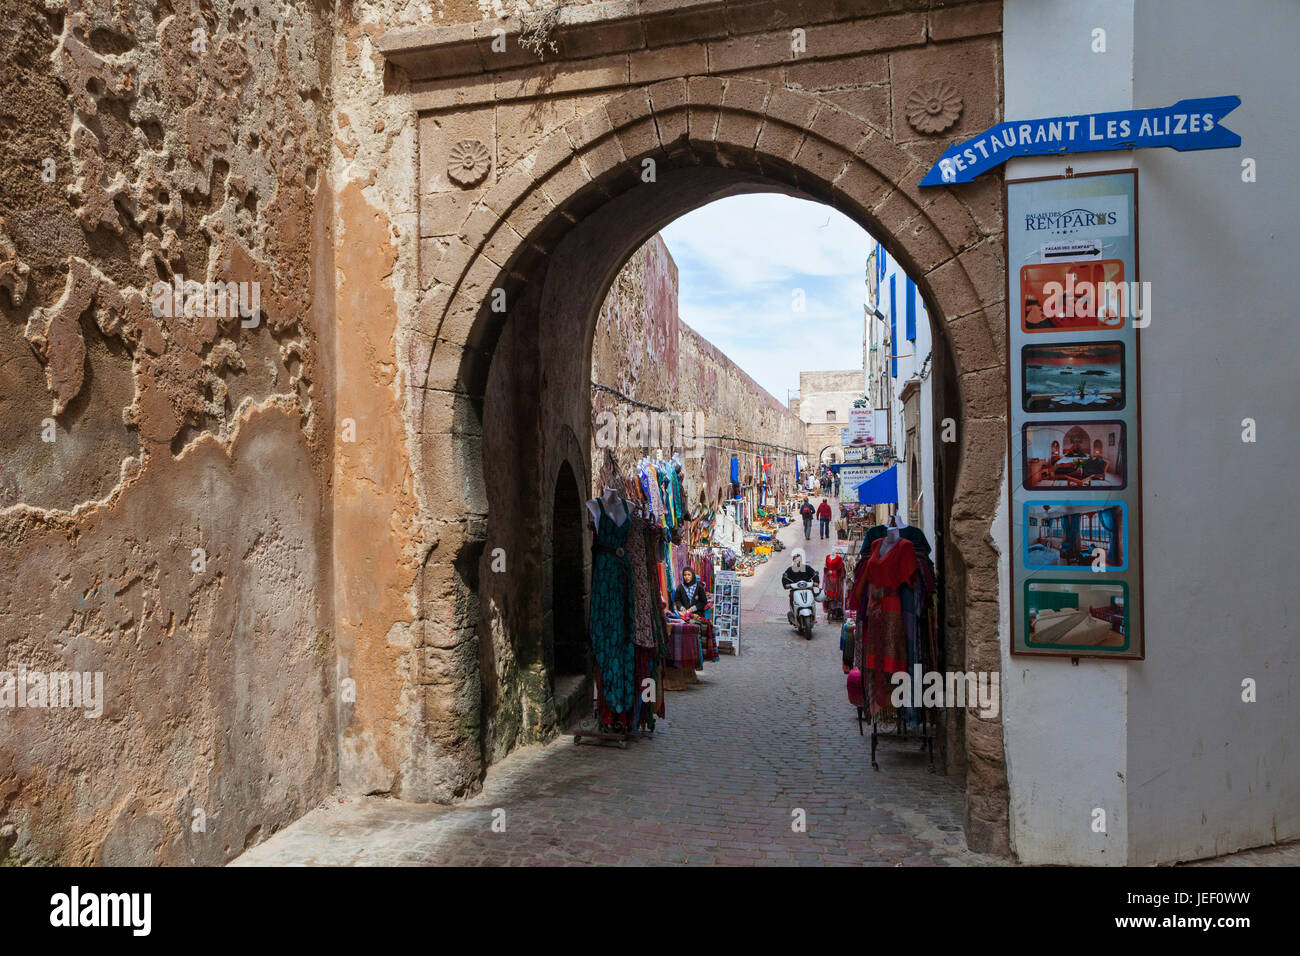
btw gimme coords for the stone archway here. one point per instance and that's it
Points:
(521, 283)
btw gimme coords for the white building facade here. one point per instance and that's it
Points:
(898, 362)
(1175, 755)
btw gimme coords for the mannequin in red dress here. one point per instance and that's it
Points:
(891, 564)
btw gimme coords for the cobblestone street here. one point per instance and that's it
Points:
(761, 736)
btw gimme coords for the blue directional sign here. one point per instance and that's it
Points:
(1188, 124)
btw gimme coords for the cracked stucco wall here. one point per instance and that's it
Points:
(141, 143)
(382, 747)
(246, 141)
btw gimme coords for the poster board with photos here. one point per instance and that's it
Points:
(726, 611)
(1074, 439)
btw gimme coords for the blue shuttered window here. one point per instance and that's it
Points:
(893, 326)
(910, 292)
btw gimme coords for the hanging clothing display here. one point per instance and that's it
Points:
(892, 602)
(629, 595)
(648, 629)
(874, 533)
(610, 622)
(833, 586)
(650, 633)
(926, 602)
(883, 640)
(638, 544)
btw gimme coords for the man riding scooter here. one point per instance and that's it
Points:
(799, 576)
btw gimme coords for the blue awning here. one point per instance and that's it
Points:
(880, 490)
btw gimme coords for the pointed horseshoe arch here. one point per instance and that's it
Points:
(548, 239)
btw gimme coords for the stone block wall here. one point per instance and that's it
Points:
(644, 350)
(827, 391)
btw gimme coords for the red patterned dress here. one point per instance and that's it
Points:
(883, 646)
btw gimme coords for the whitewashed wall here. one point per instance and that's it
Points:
(1065, 726)
(1208, 773)
(1182, 766)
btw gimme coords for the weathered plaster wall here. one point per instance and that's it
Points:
(744, 416)
(644, 350)
(636, 349)
(380, 533)
(176, 139)
(395, 662)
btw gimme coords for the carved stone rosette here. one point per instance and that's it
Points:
(468, 163)
(933, 107)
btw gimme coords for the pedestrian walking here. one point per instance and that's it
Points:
(806, 512)
(824, 514)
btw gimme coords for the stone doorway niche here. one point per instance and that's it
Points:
(566, 652)
(504, 404)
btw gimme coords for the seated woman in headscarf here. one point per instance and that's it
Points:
(690, 596)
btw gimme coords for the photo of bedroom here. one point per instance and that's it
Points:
(1076, 614)
(1087, 455)
(1072, 296)
(1075, 377)
(1069, 533)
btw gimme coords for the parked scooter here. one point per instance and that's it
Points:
(802, 616)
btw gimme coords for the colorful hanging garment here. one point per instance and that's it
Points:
(643, 584)
(683, 645)
(610, 621)
(884, 637)
(649, 653)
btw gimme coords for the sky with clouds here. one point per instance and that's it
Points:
(739, 262)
